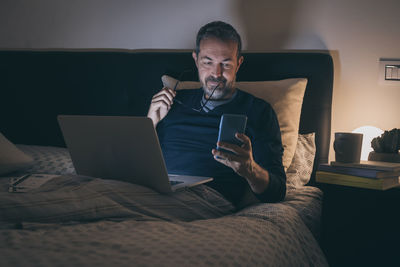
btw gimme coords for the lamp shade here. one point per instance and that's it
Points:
(369, 133)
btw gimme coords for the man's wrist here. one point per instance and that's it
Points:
(249, 172)
(153, 120)
(257, 177)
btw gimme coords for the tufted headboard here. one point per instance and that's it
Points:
(36, 86)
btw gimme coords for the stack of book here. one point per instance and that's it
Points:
(377, 175)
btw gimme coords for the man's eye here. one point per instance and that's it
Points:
(207, 63)
(227, 66)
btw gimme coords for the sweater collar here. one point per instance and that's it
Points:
(212, 104)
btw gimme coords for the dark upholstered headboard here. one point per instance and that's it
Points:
(36, 86)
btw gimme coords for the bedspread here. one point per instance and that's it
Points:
(85, 221)
(278, 239)
(67, 198)
(104, 222)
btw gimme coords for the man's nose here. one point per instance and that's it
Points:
(217, 72)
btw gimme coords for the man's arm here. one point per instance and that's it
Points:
(160, 105)
(242, 163)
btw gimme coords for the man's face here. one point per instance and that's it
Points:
(217, 64)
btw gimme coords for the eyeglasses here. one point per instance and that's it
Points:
(202, 105)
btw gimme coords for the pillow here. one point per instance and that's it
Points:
(299, 171)
(11, 158)
(49, 159)
(285, 96)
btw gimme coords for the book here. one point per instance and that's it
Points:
(356, 181)
(362, 172)
(368, 164)
(28, 182)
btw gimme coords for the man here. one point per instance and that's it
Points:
(187, 124)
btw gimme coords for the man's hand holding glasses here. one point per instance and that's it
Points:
(160, 105)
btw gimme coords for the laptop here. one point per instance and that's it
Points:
(121, 148)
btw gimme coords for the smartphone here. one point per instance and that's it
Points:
(229, 125)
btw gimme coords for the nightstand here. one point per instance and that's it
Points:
(360, 227)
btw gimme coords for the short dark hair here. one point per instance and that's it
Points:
(221, 31)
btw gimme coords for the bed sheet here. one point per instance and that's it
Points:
(85, 221)
(280, 239)
(78, 220)
(306, 200)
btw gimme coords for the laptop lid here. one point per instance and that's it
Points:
(118, 148)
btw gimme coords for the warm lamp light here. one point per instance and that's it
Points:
(369, 133)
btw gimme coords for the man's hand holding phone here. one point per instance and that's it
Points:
(239, 158)
(235, 151)
(160, 105)
(234, 147)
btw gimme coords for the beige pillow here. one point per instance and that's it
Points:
(285, 96)
(11, 158)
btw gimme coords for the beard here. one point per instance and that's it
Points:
(222, 90)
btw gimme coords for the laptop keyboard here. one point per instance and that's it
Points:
(175, 182)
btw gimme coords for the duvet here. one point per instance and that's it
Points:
(74, 220)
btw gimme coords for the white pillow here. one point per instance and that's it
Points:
(285, 96)
(299, 171)
(11, 158)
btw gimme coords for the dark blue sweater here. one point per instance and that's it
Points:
(187, 138)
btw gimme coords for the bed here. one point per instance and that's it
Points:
(79, 220)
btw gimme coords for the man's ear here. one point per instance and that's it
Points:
(194, 55)
(240, 61)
